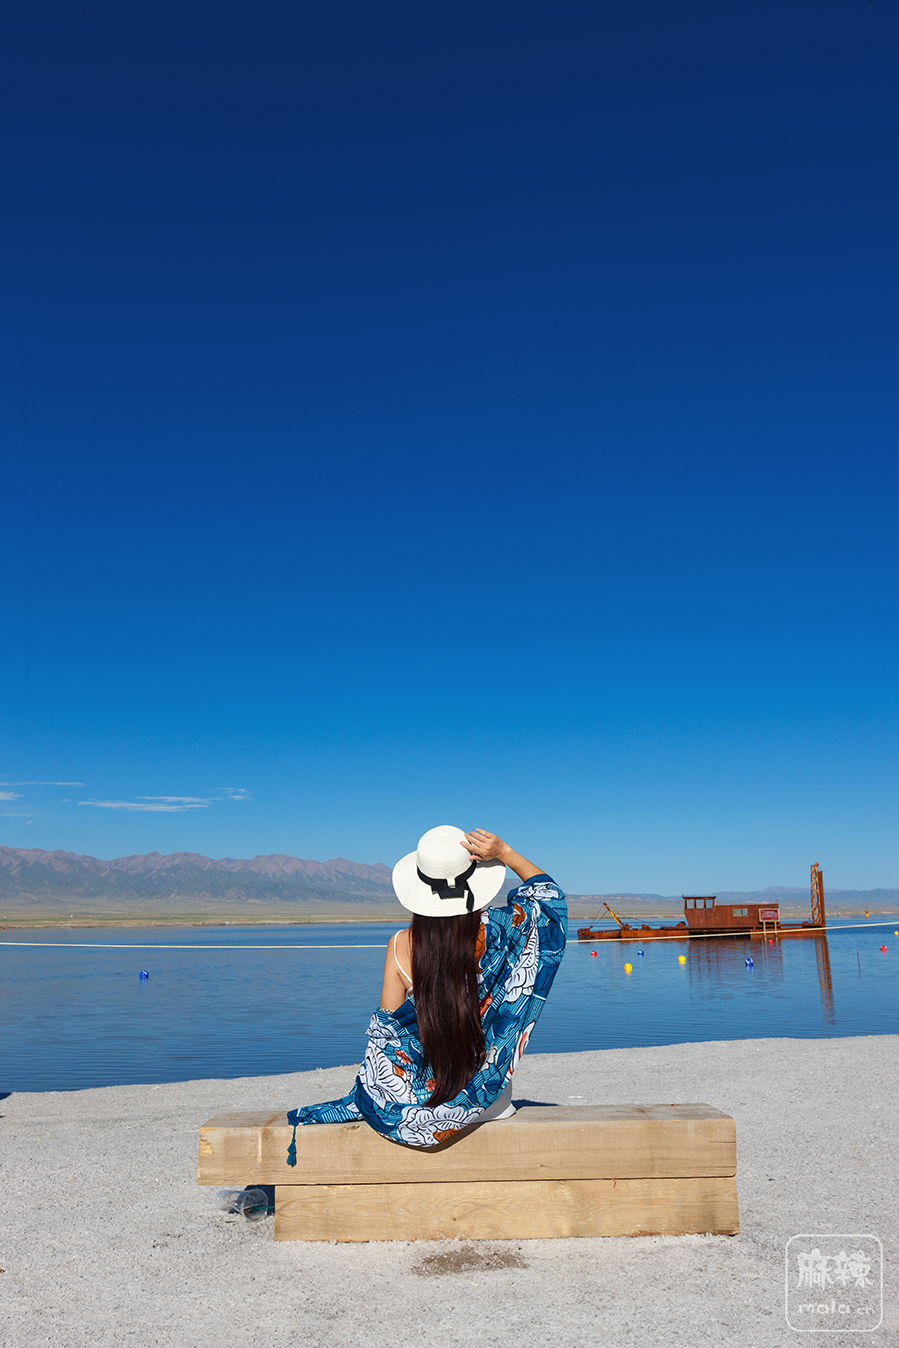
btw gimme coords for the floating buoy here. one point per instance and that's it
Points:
(896, 933)
(640, 952)
(867, 914)
(593, 954)
(748, 962)
(144, 973)
(770, 940)
(883, 947)
(681, 959)
(628, 968)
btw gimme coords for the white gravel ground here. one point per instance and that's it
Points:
(107, 1239)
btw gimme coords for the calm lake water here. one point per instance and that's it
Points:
(74, 1017)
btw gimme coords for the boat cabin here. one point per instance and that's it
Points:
(704, 913)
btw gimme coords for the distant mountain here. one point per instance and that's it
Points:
(44, 880)
(837, 898)
(58, 883)
(787, 896)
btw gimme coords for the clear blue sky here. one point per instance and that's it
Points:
(471, 413)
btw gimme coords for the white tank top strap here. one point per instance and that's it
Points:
(406, 977)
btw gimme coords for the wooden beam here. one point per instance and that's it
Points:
(491, 1210)
(538, 1143)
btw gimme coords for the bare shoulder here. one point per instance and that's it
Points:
(404, 941)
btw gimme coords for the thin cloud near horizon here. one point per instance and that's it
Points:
(148, 805)
(171, 804)
(179, 800)
(219, 793)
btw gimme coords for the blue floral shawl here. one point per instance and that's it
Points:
(520, 947)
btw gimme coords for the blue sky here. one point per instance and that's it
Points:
(455, 413)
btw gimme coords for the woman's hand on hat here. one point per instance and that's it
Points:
(484, 846)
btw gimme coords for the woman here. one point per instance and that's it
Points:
(463, 987)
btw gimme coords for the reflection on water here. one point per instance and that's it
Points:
(715, 962)
(83, 1017)
(825, 979)
(719, 960)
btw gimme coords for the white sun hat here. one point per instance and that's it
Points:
(442, 879)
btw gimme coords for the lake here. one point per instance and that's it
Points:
(257, 1001)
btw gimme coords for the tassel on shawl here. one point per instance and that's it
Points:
(292, 1149)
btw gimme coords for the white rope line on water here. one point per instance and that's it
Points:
(110, 945)
(572, 940)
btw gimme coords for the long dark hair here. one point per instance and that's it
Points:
(445, 979)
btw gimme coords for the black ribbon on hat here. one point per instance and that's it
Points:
(457, 888)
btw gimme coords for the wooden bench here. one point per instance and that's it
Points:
(550, 1170)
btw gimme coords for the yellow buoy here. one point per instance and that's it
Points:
(681, 959)
(627, 968)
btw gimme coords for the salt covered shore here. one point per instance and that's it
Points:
(106, 1238)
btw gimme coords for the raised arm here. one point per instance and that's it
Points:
(484, 846)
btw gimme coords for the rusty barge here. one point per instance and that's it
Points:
(705, 916)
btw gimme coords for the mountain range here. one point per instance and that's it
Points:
(57, 883)
(46, 880)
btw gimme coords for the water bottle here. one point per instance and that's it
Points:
(250, 1203)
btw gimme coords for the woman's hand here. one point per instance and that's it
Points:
(484, 846)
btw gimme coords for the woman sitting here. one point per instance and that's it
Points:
(463, 987)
